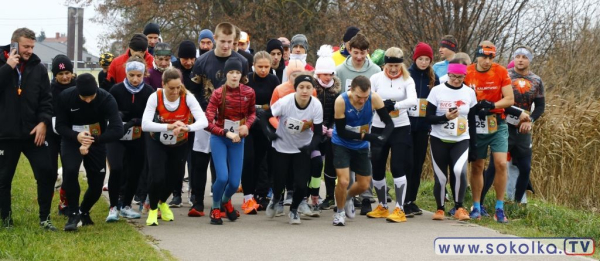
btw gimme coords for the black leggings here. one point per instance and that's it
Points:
(165, 165)
(126, 160)
(299, 165)
(10, 152)
(95, 169)
(178, 187)
(329, 171)
(419, 152)
(255, 151)
(198, 175)
(446, 155)
(398, 144)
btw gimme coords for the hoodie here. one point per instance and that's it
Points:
(347, 73)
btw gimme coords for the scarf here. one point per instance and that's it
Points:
(386, 71)
(326, 85)
(133, 89)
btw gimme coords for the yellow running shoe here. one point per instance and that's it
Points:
(379, 212)
(166, 213)
(152, 218)
(397, 216)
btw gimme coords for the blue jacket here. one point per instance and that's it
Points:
(421, 79)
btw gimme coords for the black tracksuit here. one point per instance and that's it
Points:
(19, 115)
(52, 138)
(72, 112)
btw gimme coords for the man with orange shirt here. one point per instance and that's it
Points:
(492, 86)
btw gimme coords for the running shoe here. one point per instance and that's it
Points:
(366, 207)
(129, 213)
(175, 202)
(453, 211)
(165, 212)
(415, 209)
(270, 211)
(7, 222)
(113, 215)
(288, 198)
(475, 214)
(328, 203)
(137, 200)
(279, 209)
(339, 219)
(484, 212)
(408, 211)
(357, 202)
(71, 225)
(251, 207)
(196, 211)
(294, 217)
(152, 219)
(304, 209)
(500, 217)
(349, 208)
(379, 212)
(316, 210)
(397, 216)
(263, 202)
(438, 215)
(47, 225)
(230, 211)
(192, 200)
(86, 220)
(462, 214)
(215, 217)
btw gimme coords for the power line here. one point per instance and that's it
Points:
(27, 19)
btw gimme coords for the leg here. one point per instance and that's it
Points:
(379, 166)
(329, 173)
(157, 159)
(115, 155)
(316, 167)
(419, 151)
(249, 170)
(440, 160)
(459, 155)
(136, 163)
(200, 161)
(95, 168)
(10, 152)
(488, 177)
(176, 159)
(235, 159)
(301, 171)
(280, 165)
(71, 161)
(45, 176)
(219, 155)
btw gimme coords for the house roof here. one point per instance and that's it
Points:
(48, 50)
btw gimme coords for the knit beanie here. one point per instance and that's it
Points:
(325, 64)
(138, 43)
(162, 49)
(274, 44)
(299, 39)
(151, 28)
(187, 49)
(233, 63)
(61, 63)
(351, 31)
(206, 34)
(86, 84)
(303, 78)
(449, 42)
(284, 41)
(422, 49)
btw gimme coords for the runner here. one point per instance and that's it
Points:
(152, 32)
(397, 89)
(126, 156)
(286, 48)
(340, 55)
(451, 110)
(206, 42)
(138, 46)
(294, 140)
(81, 120)
(162, 61)
(351, 138)
(275, 49)
(462, 56)
(448, 47)
(230, 115)
(168, 112)
(424, 76)
(492, 86)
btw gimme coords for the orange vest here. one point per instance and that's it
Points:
(163, 115)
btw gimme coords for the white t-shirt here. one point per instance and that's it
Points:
(400, 90)
(295, 125)
(444, 98)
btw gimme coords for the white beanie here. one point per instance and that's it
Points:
(325, 63)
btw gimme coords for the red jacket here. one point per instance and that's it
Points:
(239, 106)
(116, 70)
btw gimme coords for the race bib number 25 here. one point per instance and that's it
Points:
(487, 125)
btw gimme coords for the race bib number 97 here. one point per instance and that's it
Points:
(168, 138)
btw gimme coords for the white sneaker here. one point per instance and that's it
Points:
(113, 215)
(270, 211)
(339, 219)
(279, 209)
(294, 217)
(349, 208)
(304, 209)
(128, 212)
(289, 197)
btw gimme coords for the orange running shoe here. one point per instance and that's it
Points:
(462, 214)
(438, 215)
(251, 207)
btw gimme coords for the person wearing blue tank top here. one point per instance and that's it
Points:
(351, 136)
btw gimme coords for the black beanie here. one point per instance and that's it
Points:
(138, 43)
(303, 78)
(350, 32)
(151, 28)
(86, 84)
(61, 63)
(187, 49)
(233, 63)
(274, 44)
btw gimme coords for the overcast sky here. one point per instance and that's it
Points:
(47, 15)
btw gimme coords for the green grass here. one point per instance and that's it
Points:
(102, 241)
(536, 219)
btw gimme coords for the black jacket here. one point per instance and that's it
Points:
(422, 86)
(327, 98)
(19, 114)
(56, 88)
(131, 106)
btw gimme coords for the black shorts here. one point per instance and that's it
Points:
(357, 160)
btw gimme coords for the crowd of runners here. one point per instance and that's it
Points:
(267, 124)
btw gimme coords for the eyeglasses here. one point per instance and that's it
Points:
(456, 77)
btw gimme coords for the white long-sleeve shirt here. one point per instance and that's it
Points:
(400, 90)
(148, 125)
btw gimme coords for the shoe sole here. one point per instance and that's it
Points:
(394, 221)
(339, 224)
(176, 205)
(216, 223)
(111, 220)
(130, 217)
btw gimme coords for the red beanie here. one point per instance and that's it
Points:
(423, 49)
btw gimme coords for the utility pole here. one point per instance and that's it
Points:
(75, 35)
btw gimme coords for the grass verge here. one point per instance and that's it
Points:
(102, 241)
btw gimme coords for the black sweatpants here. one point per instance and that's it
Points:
(53, 140)
(126, 160)
(95, 168)
(455, 156)
(298, 164)
(10, 152)
(198, 176)
(165, 165)
(417, 158)
(255, 151)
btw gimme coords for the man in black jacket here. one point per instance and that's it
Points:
(26, 106)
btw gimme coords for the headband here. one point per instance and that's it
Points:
(523, 51)
(486, 51)
(388, 59)
(448, 44)
(135, 66)
(457, 68)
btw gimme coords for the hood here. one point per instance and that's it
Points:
(368, 64)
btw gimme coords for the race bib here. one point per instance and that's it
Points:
(455, 127)
(232, 126)
(359, 129)
(514, 120)
(133, 133)
(93, 129)
(420, 110)
(395, 113)
(348, 84)
(487, 125)
(168, 138)
(264, 106)
(295, 126)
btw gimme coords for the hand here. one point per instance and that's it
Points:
(13, 59)
(483, 113)
(374, 139)
(451, 115)
(324, 130)
(182, 129)
(525, 127)
(175, 125)
(486, 104)
(85, 138)
(524, 117)
(271, 135)
(40, 134)
(243, 130)
(389, 105)
(329, 132)
(233, 137)
(84, 150)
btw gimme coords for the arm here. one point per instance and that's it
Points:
(540, 107)
(44, 110)
(251, 109)
(472, 134)
(411, 97)
(148, 124)
(211, 114)
(63, 127)
(379, 106)
(114, 130)
(340, 121)
(197, 112)
(508, 97)
(433, 118)
(264, 125)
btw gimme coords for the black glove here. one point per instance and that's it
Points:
(136, 121)
(485, 104)
(374, 139)
(306, 150)
(483, 112)
(271, 135)
(389, 105)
